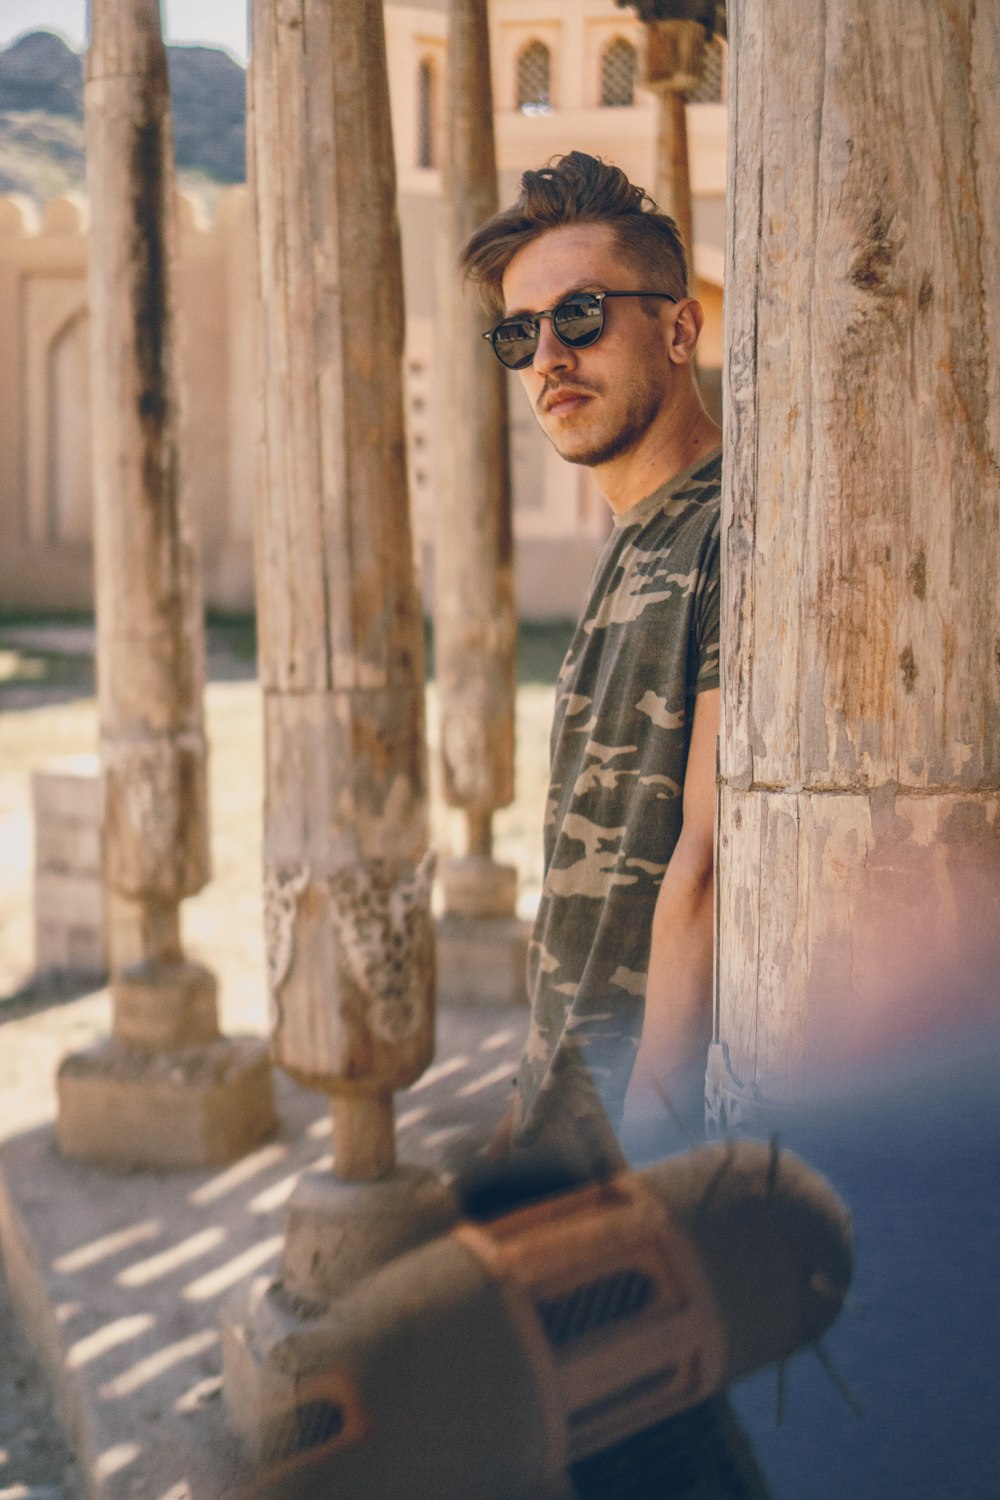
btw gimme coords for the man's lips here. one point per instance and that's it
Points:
(563, 398)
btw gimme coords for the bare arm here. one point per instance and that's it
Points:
(678, 1019)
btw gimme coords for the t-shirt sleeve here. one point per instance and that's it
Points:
(706, 622)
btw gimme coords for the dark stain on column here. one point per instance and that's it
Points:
(908, 667)
(150, 290)
(916, 572)
(876, 257)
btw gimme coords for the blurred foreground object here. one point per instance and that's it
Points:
(911, 1141)
(859, 820)
(542, 1352)
(166, 1089)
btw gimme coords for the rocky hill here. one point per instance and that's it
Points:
(41, 116)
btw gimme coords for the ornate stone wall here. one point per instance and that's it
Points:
(45, 455)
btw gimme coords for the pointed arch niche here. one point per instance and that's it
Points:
(533, 78)
(428, 153)
(59, 490)
(69, 489)
(619, 66)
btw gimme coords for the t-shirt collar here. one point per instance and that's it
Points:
(643, 509)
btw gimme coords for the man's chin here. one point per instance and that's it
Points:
(592, 449)
(592, 456)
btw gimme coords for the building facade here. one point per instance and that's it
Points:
(564, 77)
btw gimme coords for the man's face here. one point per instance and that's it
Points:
(593, 404)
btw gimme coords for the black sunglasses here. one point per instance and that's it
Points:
(577, 321)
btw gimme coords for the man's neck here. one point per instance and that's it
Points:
(665, 452)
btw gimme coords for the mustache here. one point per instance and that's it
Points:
(553, 391)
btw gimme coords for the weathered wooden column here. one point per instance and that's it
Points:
(859, 830)
(166, 1089)
(672, 61)
(475, 642)
(672, 55)
(350, 941)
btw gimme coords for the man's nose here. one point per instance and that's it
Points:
(551, 355)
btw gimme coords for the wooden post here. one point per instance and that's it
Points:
(346, 864)
(859, 829)
(150, 648)
(475, 619)
(674, 35)
(673, 58)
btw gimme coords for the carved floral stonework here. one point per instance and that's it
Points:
(384, 933)
(282, 889)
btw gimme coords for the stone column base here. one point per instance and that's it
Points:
(734, 1108)
(269, 1342)
(337, 1232)
(190, 1107)
(478, 886)
(278, 1335)
(482, 960)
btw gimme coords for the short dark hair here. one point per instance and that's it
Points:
(578, 189)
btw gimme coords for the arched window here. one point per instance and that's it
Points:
(618, 68)
(710, 88)
(427, 113)
(533, 78)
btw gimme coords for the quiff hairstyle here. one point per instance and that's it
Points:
(578, 189)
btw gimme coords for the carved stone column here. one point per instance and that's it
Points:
(482, 947)
(859, 891)
(350, 942)
(348, 873)
(166, 1089)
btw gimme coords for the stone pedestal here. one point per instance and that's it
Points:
(482, 960)
(482, 947)
(163, 1006)
(337, 1232)
(188, 1107)
(478, 886)
(70, 908)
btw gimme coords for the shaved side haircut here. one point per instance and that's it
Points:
(578, 189)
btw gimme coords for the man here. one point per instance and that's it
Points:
(592, 283)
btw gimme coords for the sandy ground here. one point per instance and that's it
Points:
(912, 1145)
(47, 710)
(33, 1450)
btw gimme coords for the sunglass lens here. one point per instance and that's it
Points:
(578, 321)
(515, 342)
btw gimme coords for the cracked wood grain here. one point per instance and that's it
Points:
(861, 625)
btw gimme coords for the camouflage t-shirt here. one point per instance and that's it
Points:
(646, 644)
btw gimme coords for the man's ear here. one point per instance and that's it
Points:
(685, 326)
